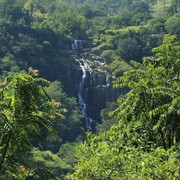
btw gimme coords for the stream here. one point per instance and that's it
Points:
(81, 90)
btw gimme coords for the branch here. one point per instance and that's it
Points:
(114, 168)
(5, 150)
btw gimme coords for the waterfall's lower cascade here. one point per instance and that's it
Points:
(81, 87)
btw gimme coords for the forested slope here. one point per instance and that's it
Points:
(41, 122)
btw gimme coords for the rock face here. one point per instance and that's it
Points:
(69, 79)
(97, 97)
(99, 94)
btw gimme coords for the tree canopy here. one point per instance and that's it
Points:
(26, 116)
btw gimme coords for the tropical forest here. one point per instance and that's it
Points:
(89, 90)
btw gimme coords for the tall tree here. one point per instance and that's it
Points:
(26, 115)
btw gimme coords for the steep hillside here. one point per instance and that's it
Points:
(64, 64)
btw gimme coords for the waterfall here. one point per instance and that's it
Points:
(81, 87)
(94, 89)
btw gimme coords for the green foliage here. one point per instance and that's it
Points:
(107, 121)
(70, 127)
(67, 152)
(26, 116)
(174, 7)
(154, 89)
(108, 158)
(129, 48)
(119, 67)
(49, 165)
(108, 55)
(22, 47)
(173, 24)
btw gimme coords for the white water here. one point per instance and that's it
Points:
(81, 87)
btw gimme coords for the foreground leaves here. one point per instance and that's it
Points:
(26, 116)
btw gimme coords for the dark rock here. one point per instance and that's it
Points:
(97, 97)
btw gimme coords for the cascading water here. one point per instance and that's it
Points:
(81, 87)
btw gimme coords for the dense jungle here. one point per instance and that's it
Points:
(89, 89)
